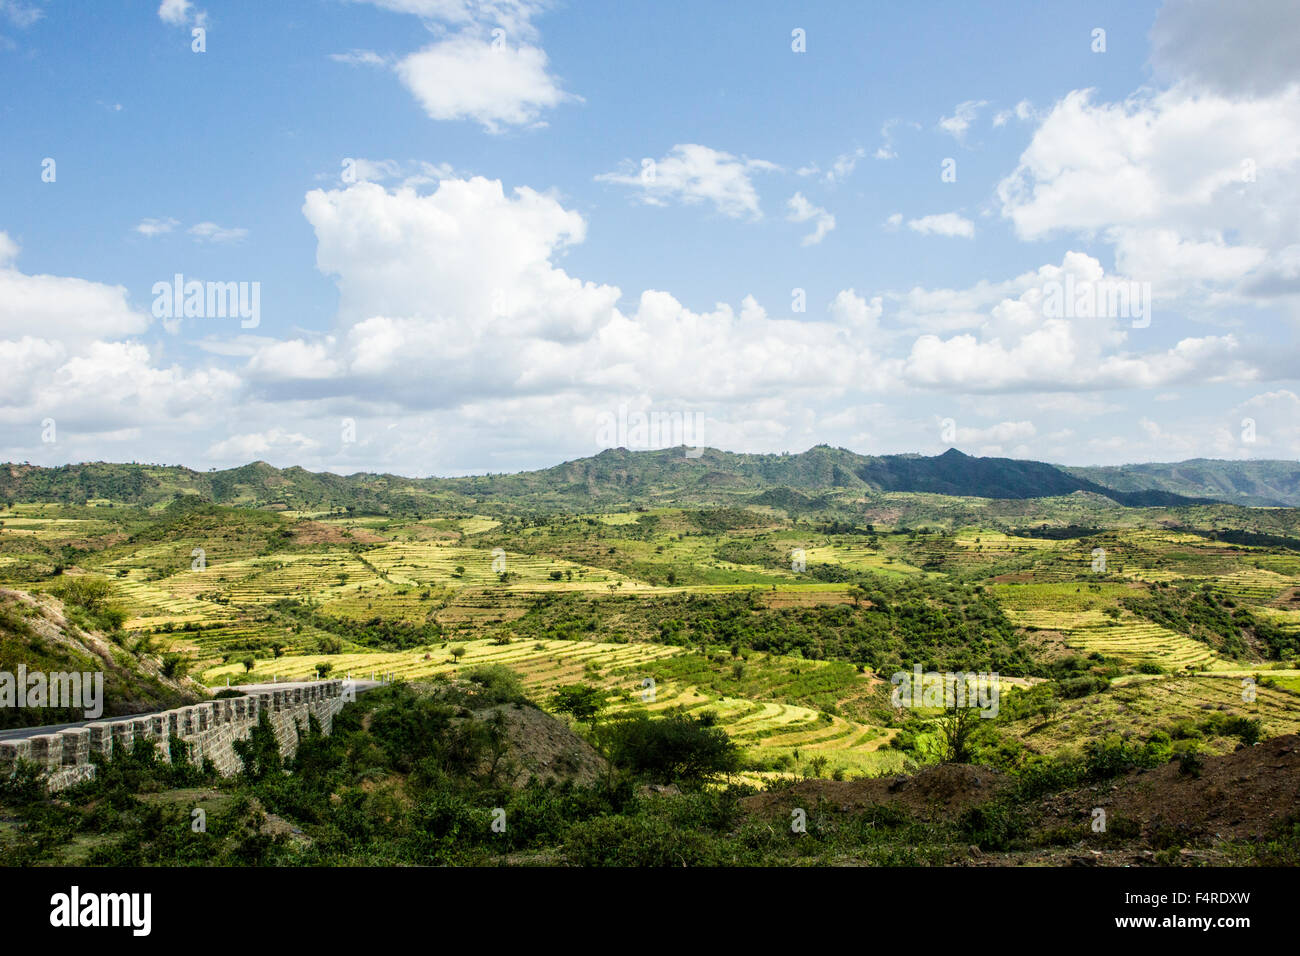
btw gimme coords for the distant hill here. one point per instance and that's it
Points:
(665, 476)
(1256, 483)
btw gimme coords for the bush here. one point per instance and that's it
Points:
(175, 665)
(1075, 687)
(676, 747)
(1190, 762)
(498, 683)
(637, 841)
(1249, 729)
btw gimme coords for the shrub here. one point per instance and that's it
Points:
(676, 747)
(498, 683)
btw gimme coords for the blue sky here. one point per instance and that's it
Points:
(462, 263)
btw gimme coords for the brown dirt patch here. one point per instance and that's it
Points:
(544, 748)
(1246, 793)
(315, 532)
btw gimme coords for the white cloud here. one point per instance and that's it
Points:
(1164, 254)
(1018, 348)
(360, 58)
(471, 77)
(1001, 432)
(962, 118)
(512, 15)
(1170, 160)
(211, 232)
(852, 310)
(887, 150)
(841, 168)
(181, 13)
(257, 445)
(489, 70)
(155, 227)
(59, 309)
(412, 173)
(1022, 111)
(943, 224)
(801, 210)
(691, 174)
(463, 280)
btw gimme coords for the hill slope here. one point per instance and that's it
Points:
(618, 476)
(1258, 483)
(36, 633)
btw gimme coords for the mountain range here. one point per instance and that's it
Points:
(672, 475)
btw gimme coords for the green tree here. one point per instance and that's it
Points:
(582, 702)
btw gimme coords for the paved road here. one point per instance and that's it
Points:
(18, 733)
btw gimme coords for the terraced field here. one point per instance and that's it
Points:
(425, 564)
(1256, 585)
(1142, 706)
(1137, 642)
(859, 557)
(320, 586)
(1079, 613)
(767, 729)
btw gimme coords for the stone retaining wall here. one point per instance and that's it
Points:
(210, 729)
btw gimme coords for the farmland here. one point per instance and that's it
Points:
(785, 626)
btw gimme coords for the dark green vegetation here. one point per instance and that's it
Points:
(420, 775)
(617, 476)
(1266, 483)
(887, 624)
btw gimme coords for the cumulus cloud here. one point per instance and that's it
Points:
(1171, 158)
(1243, 49)
(693, 174)
(801, 210)
(70, 355)
(257, 445)
(1184, 184)
(1022, 345)
(59, 309)
(488, 69)
(493, 83)
(850, 309)
(943, 224)
(463, 280)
